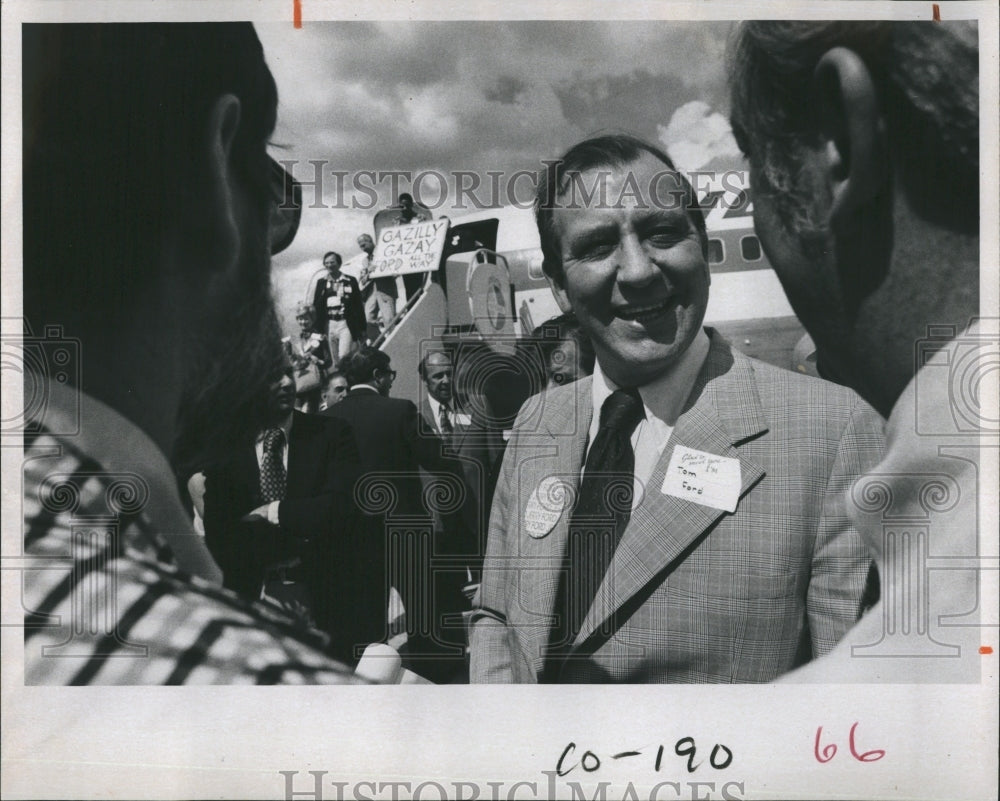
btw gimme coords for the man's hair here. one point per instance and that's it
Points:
(927, 78)
(610, 151)
(405, 196)
(422, 365)
(333, 253)
(565, 328)
(116, 166)
(359, 367)
(115, 120)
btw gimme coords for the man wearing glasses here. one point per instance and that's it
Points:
(150, 210)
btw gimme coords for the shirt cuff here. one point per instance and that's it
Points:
(272, 512)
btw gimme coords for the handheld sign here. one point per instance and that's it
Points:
(414, 248)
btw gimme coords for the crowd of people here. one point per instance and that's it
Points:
(665, 510)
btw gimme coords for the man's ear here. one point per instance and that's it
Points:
(558, 290)
(854, 155)
(221, 200)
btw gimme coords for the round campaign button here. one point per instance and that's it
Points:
(546, 505)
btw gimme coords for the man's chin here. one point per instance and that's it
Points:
(225, 401)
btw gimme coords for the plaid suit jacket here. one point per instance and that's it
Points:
(693, 593)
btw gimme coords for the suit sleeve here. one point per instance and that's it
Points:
(319, 306)
(428, 447)
(841, 563)
(356, 311)
(429, 451)
(323, 354)
(491, 656)
(240, 548)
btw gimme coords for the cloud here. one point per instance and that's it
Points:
(475, 95)
(696, 135)
(505, 90)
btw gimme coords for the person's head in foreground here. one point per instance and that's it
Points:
(863, 143)
(148, 206)
(151, 209)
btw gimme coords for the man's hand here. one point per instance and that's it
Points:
(260, 513)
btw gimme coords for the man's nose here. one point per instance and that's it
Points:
(635, 267)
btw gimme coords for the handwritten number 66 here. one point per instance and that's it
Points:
(829, 751)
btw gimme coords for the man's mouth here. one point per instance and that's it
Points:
(644, 313)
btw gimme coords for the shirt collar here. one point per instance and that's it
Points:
(285, 426)
(117, 444)
(364, 386)
(436, 406)
(662, 398)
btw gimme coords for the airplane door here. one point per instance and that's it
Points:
(490, 300)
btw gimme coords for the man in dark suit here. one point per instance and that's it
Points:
(281, 522)
(463, 422)
(392, 487)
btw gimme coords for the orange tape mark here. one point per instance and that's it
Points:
(937, 13)
(985, 650)
(297, 13)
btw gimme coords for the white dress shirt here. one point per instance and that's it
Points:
(436, 414)
(663, 399)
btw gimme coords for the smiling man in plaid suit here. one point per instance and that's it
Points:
(679, 516)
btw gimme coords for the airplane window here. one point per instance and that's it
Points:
(750, 247)
(716, 251)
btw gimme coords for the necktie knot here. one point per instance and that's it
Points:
(622, 410)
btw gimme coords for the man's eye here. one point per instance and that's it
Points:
(664, 238)
(596, 250)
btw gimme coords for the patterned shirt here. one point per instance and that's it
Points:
(112, 597)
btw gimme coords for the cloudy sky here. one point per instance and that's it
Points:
(476, 97)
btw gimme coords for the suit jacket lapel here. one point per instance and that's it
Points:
(722, 411)
(427, 424)
(299, 458)
(246, 473)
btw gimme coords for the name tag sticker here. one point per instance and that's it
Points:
(703, 478)
(462, 419)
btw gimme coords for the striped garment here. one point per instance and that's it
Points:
(106, 603)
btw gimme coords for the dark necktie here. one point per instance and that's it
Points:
(602, 512)
(272, 468)
(445, 421)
